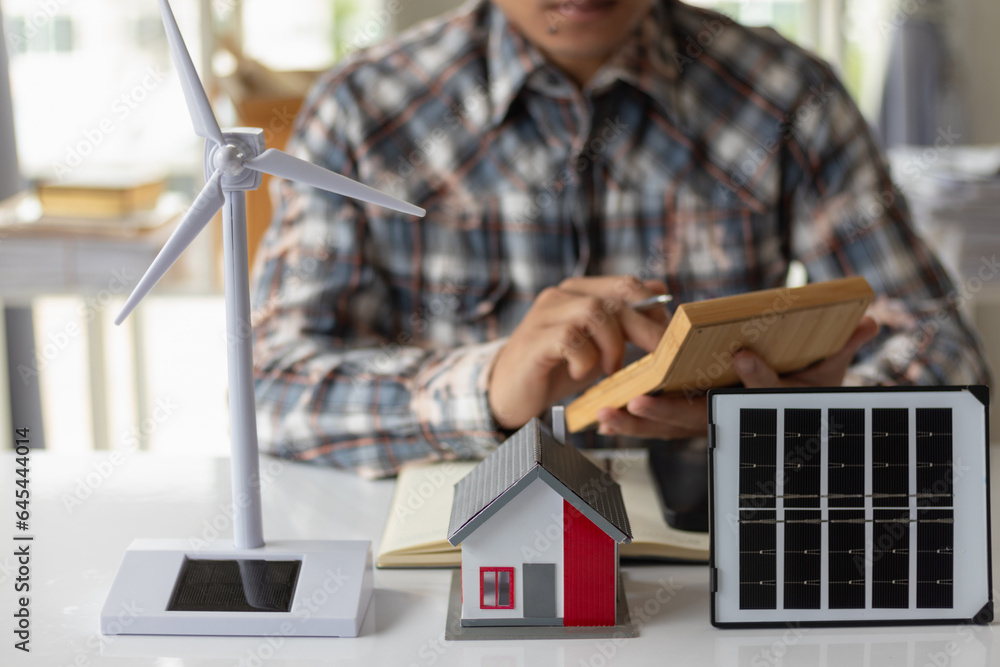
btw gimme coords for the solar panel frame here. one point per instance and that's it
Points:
(969, 560)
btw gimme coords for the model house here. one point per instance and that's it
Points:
(539, 526)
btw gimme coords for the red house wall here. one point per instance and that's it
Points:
(590, 569)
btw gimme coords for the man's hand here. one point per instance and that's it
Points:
(573, 334)
(675, 416)
(829, 373)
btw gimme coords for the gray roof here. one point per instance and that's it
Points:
(530, 454)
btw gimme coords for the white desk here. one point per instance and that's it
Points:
(78, 546)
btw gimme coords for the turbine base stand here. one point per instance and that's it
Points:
(285, 588)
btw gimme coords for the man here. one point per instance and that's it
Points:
(573, 157)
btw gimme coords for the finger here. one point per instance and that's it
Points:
(671, 418)
(623, 288)
(556, 305)
(754, 373)
(606, 332)
(605, 320)
(577, 349)
(641, 330)
(831, 371)
(644, 329)
(660, 314)
(656, 286)
(678, 411)
(866, 330)
(584, 314)
(619, 291)
(681, 416)
(619, 422)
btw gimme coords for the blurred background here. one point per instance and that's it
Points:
(108, 161)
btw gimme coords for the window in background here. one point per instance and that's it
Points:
(853, 35)
(105, 58)
(792, 18)
(61, 339)
(867, 33)
(324, 31)
(789, 17)
(112, 99)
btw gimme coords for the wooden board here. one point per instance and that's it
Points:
(790, 328)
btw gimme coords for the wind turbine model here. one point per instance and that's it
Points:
(247, 588)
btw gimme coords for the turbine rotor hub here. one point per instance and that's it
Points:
(229, 159)
(242, 144)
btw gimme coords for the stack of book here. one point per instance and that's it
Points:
(124, 197)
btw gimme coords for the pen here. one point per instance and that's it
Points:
(652, 301)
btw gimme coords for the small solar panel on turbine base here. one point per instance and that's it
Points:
(850, 506)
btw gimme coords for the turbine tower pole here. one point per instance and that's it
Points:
(248, 530)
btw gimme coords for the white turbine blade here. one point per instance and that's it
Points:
(277, 163)
(205, 124)
(204, 208)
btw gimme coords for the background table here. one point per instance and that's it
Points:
(86, 510)
(87, 259)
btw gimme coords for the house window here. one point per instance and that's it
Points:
(496, 588)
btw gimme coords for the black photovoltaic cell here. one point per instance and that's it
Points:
(934, 457)
(847, 559)
(846, 445)
(890, 457)
(935, 559)
(235, 585)
(758, 563)
(803, 559)
(758, 531)
(802, 458)
(758, 457)
(891, 559)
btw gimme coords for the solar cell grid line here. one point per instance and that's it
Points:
(935, 559)
(824, 500)
(869, 511)
(758, 559)
(802, 465)
(891, 559)
(911, 504)
(758, 460)
(890, 457)
(847, 558)
(846, 467)
(779, 508)
(803, 559)
(934, 474)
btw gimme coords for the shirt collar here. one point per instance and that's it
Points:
(511, 60)
(645, 61)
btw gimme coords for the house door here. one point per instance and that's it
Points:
(539, 590)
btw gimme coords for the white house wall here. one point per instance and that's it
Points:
(528, 529)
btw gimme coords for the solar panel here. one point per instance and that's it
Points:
(850, 506)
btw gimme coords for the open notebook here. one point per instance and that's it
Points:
(416, 530)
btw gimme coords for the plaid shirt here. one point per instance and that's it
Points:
(704, 153)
